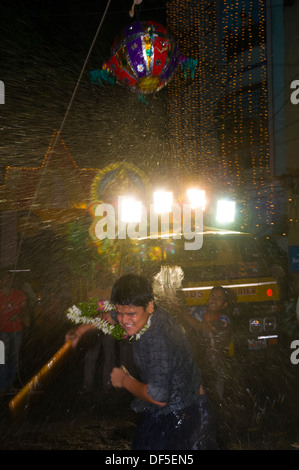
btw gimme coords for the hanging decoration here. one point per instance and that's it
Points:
(144, 58)
(98, 76)
(188, 64)
(132, 11)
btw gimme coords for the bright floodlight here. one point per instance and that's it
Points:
(197, 198)
(162, 201)
(130, 210)
(225, 211)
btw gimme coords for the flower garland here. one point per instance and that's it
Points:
(143, 330)
(87, 313)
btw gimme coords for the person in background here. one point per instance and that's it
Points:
(213, 339)
(13, 308)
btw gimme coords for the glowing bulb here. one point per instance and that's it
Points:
(130, 210)
(197, 198)
(225, 211)
(162, 201)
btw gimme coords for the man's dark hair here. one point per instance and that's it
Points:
(229, 295)
(223, 290)
(131, 289)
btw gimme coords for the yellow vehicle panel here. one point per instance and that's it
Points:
(246, 290)
(226, 258)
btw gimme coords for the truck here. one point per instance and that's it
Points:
(231, 259)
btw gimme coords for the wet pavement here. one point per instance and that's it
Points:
(79, 426)
(110, 425)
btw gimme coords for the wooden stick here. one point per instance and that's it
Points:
(21, 399)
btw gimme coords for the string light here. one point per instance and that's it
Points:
(30, 173)
(183, 92)
(233, 86)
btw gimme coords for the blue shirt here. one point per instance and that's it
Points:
(165, 361)
(213, 343)
(199, 314)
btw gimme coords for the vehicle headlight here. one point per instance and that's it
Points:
(255, 325)
(269, 323)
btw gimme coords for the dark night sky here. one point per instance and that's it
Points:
(43, 46)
